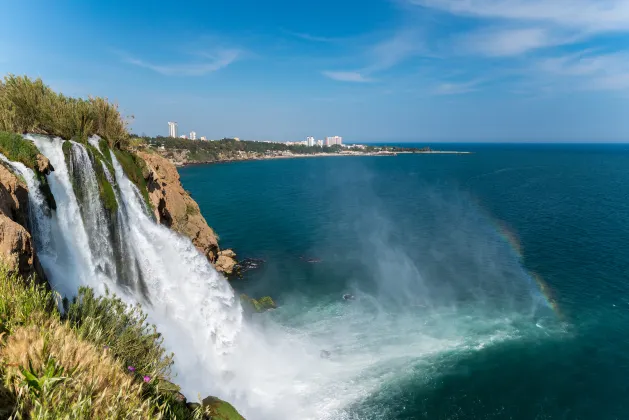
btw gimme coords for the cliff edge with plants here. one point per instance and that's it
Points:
(98, 358)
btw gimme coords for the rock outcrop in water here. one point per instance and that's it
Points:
(173, 207)
(16, 243)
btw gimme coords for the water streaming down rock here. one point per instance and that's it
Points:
(194, 306)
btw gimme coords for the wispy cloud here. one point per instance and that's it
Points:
(382, 56)
(347, 76)
(508, 42)
(310, 37)
(589, 69)
(212, 62)
(449, 88)
(589, 15)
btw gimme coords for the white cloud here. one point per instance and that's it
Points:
(504, 42)
(309, 37)
(589, 69)
(587, 15)
(217, 60)
(347, 76)
(392, 51)
(382, 56)
(457, 88)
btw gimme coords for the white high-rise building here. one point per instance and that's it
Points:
(193, 135)
(203, 138)
(333, 141)
(310, 141)
(172, 129)
(320, 143)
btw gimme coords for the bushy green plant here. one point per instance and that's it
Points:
(17, 149)
(22, 302)
(30, 106)
(108, 322)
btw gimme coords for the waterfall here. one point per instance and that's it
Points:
(194, 306)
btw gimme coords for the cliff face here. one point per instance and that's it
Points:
(16, 244)
(175, 209)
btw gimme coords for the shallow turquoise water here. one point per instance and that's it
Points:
(459, 244)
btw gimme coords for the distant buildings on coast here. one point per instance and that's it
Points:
(309, 142)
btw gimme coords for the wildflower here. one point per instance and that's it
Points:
(106, 347)
(147, 379)
(131, 368)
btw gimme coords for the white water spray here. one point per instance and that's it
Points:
(267, 371)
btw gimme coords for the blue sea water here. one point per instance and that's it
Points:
(488, 286)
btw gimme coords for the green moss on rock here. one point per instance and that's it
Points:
(104, 147)
(105, 188)
(136, 170)
(218, 409)
(257, 305)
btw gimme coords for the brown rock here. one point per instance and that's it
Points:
(43, 165)
(16, 244)
(228, 253)
(175, 208)
(225, 264)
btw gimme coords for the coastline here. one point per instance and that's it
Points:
(316, 155)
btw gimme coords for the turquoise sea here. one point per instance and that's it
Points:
(493, 285)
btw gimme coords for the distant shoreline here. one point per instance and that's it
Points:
(316, 155)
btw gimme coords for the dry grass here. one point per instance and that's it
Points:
(87, 382)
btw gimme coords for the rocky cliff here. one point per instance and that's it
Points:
(173, 207)
(16, 244)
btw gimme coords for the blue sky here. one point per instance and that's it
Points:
(373, 70)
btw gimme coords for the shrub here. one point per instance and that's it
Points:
(22, 302)
(17, 149)
(108, 322)
(30, 106)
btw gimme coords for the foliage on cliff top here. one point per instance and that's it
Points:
(17, 149)
(28, 105)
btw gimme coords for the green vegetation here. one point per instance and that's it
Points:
(18, 149)
(135, 169)
(105, 188)
(99, 360)
(29, 106)
(15, 148)
(220, 410)
(230, 149)
(257, 305)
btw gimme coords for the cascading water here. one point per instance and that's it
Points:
(267, 371)
(194, 307)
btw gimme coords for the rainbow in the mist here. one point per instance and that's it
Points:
(509, 237)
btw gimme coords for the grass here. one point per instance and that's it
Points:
(28, 105)
(15, 148)
(101, 360)
(56, 375)
(18, 149)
